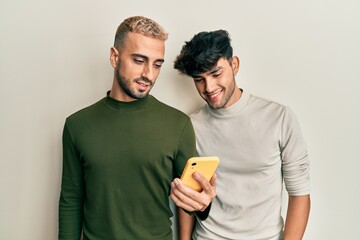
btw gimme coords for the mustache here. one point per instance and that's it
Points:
(144, 79)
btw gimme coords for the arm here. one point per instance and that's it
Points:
(183, 196)
(186, 225)
(71, 197)
(297, 217)
(296, 172)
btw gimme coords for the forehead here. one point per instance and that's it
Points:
(136, 43)
(222, 63)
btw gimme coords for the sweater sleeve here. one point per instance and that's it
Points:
(186, 148)
(295, 160)
(72, 191)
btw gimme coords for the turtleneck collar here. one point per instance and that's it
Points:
(135, 105)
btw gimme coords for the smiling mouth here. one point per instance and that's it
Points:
(144, 83)
(213, 96)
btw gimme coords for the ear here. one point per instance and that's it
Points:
(235, 64)
(114, 57)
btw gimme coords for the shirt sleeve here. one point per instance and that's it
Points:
(72, 191)
(294, 154)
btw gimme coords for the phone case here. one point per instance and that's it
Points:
(204, 165)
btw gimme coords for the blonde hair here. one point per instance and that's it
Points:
(142, 25)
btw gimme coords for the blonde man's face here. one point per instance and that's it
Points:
(137, 65)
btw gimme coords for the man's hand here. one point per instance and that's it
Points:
(191, 200)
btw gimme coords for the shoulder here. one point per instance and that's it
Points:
(262, 102)
(270, 109)
(267, 106)
(199, 113)
(169, 111)
(169, 118)
(85, 113)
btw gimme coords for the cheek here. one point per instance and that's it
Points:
(227, 80)
(130, 71)
(200, 88)
(156, 72)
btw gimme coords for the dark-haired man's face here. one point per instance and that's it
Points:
(217, 86)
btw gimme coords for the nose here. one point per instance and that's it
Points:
(209, 85)
(148, 72)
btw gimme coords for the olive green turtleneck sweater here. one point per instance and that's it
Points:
(119, 159)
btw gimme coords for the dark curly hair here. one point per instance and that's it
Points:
(203, 51)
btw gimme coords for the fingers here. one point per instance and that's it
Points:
(208, 187)
(213, 180)
(191, 200)
(186, 198)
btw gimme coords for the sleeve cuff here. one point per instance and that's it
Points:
(201, 215)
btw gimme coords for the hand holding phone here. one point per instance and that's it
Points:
(206, 166)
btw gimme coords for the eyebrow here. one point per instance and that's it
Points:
(146, 58)
(216, 69)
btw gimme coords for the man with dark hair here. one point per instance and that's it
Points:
(260, 145)
(121, 153)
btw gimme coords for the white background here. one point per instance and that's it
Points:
(54, 60)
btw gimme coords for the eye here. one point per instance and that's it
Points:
(138, 61)
(198, 80)
(158, 65)
(217, 74)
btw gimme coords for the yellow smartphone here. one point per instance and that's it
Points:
(206, 166)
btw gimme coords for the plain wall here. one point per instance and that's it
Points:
(54, 60)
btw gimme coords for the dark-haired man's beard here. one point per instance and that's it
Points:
(128, 85)
(228, 93)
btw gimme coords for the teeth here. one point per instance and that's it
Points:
(214, 95)
(143, 84)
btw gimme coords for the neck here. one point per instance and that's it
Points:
(118, 93)
(235, 97)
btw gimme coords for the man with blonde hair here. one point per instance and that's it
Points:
(121, 153)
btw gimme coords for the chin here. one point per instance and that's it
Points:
(214, 106)
(142, 95)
